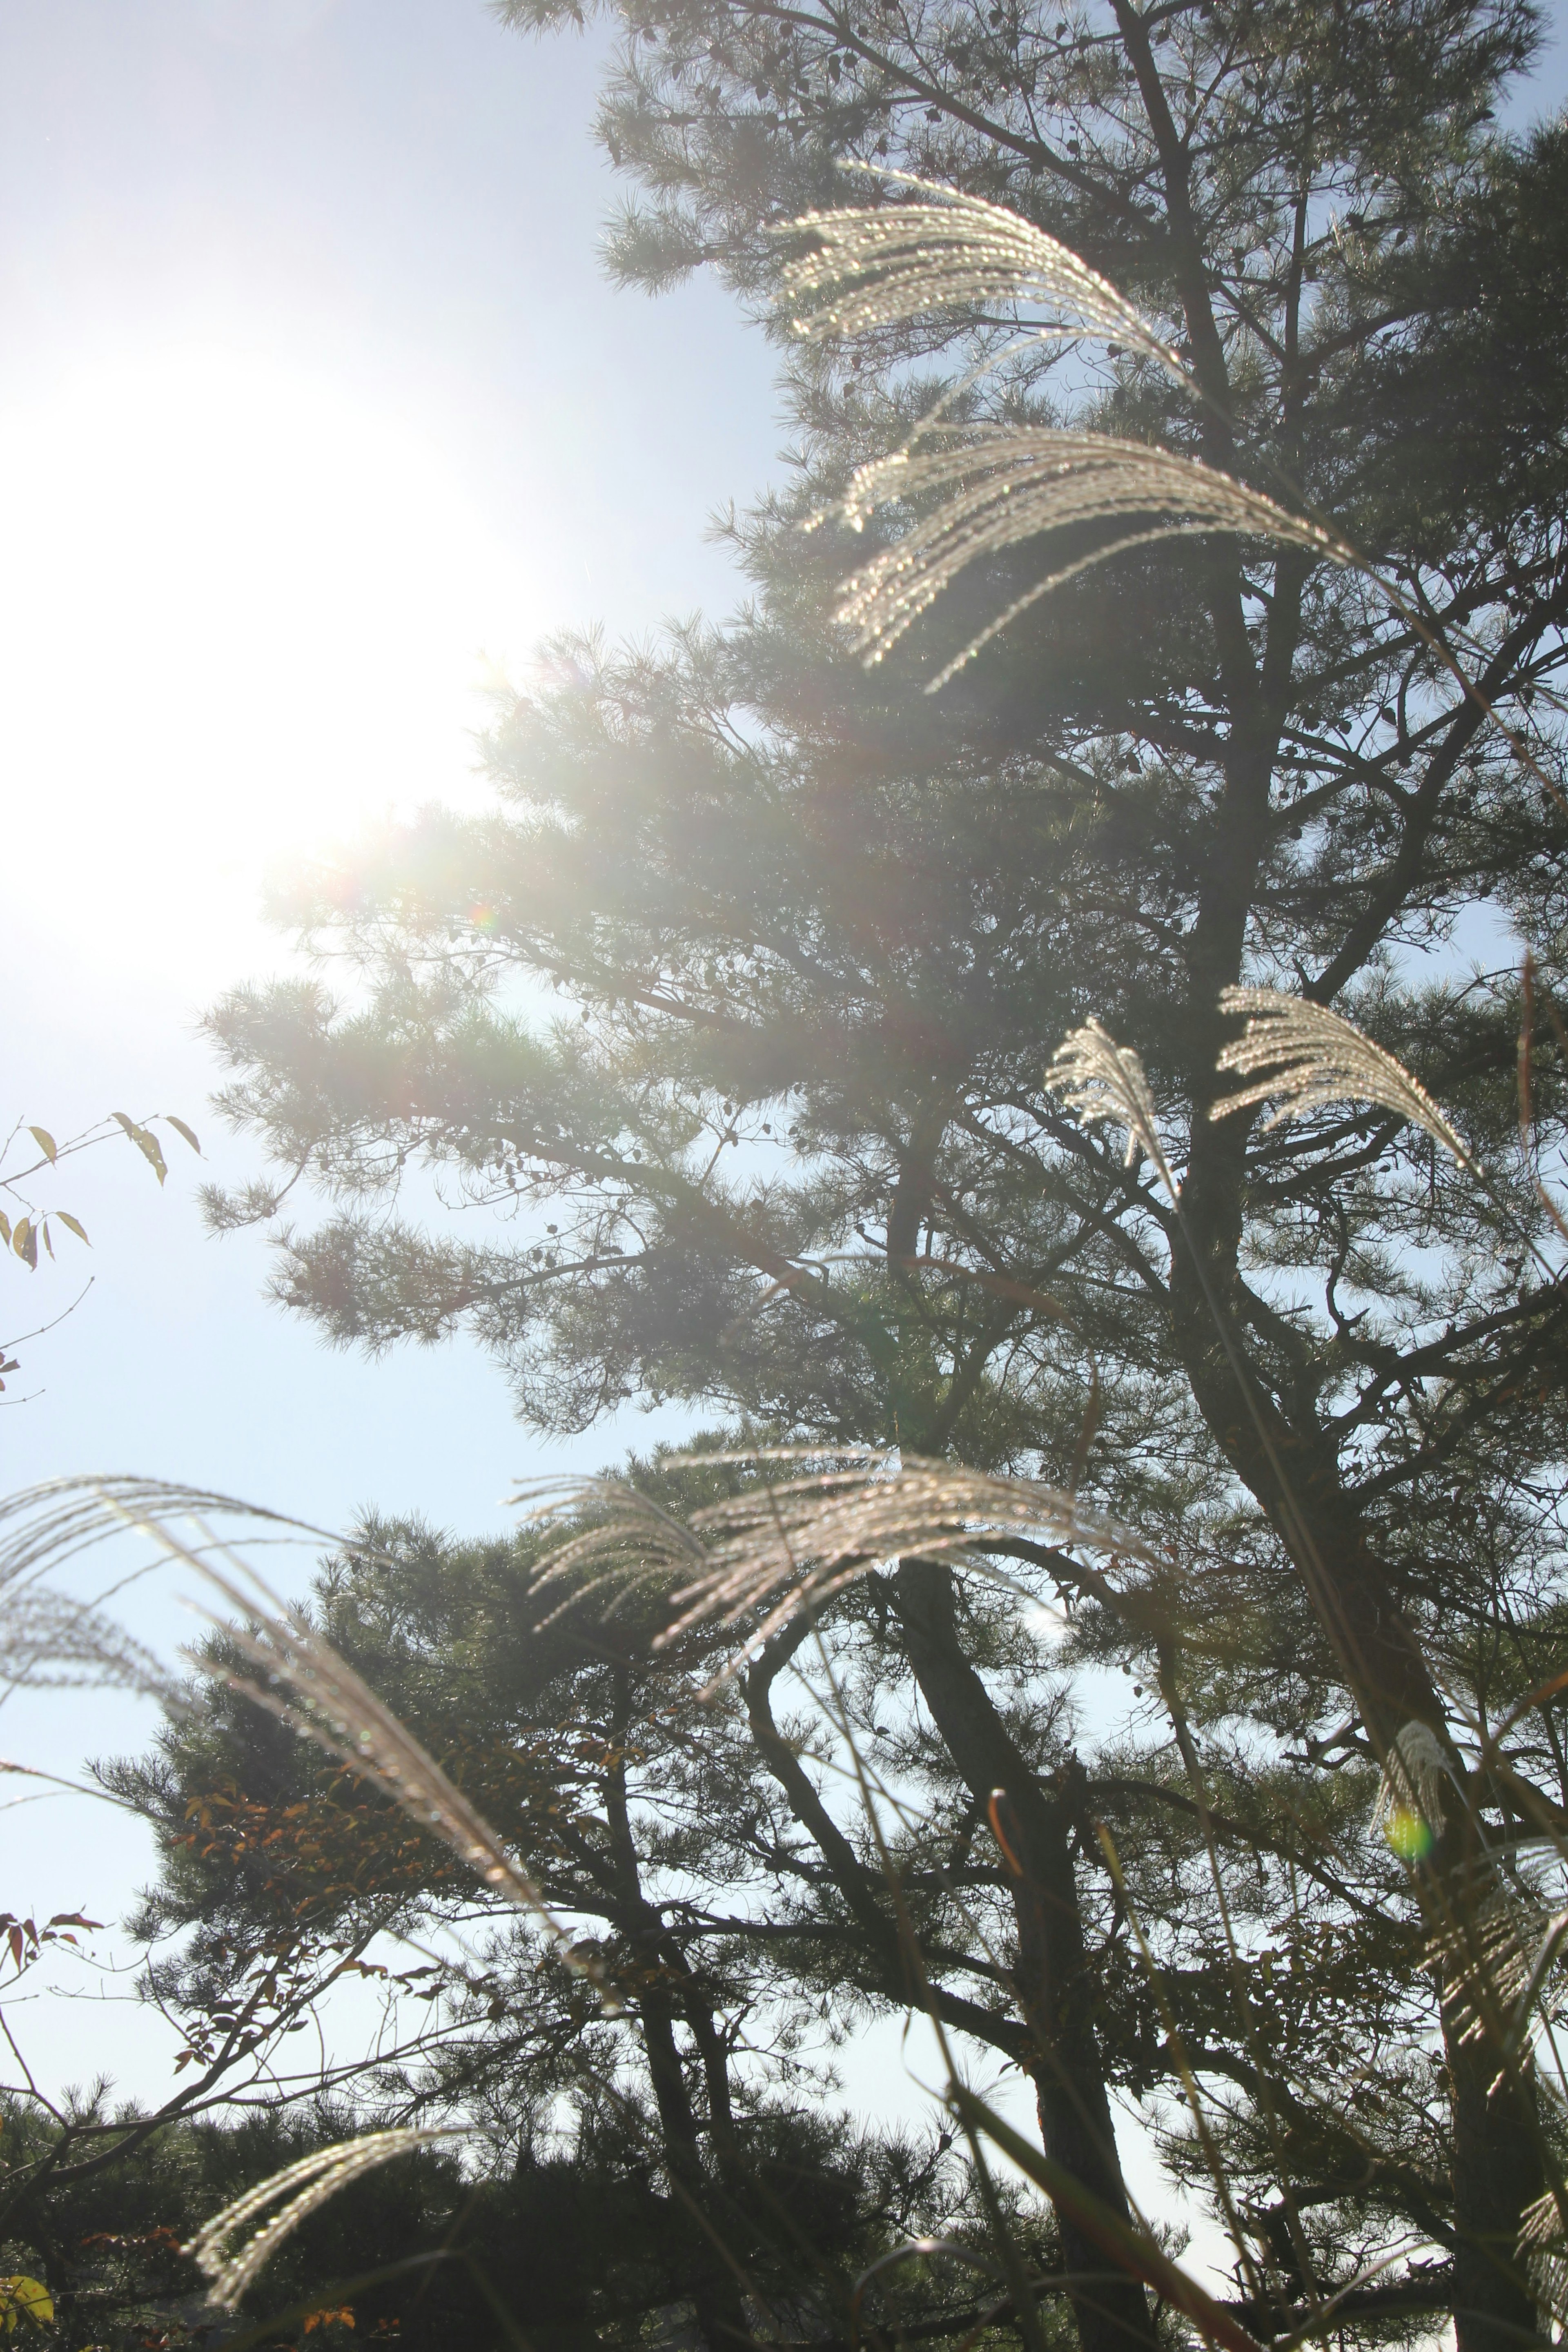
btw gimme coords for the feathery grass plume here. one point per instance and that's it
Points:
(1409, 1805)
(43, 1526)
(1103, 1081)
(1006, 483)
(1543, 2252)
(790, 1547)
(874, 265)
(49, 1639)
(881, 264)
(315, 2179)
(50, 1642)
(1310, 1057)
(632, 1542)
(1495, 1965)
(327, 1701)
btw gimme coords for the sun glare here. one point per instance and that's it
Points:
(238, 612)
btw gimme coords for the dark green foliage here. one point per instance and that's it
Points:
(107, 2242)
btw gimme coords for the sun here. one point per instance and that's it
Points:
(241, 609)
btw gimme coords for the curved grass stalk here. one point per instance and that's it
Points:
(300, 1677)
(876, 265)
(1309, 1056)
(1007, 483)
(787, 1547)
(313, 2179)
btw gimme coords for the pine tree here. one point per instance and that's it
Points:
(787, 1145)
(678, 2146)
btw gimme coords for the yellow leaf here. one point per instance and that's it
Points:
(181, 1129)
(5, 1229)
(25, 2299)
(44, 1140)
(74, 1224)
(24, 1240)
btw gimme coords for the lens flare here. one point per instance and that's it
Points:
(1409, 1834)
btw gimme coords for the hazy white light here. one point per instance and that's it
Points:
(238, 613)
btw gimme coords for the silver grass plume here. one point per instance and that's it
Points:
(1544, 2252)
(1496, 1964)
(50, 1640)
(788, 1548)
(321, 1695)
(1104, 1082)
(1411, 1788)
(1006, 483)
(633, 1542)
(875, 266)
(314, 2178)
(1302, 1057)
(882, 264)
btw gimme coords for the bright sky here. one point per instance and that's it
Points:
(312, 402)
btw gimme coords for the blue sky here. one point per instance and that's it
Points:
(312, 404)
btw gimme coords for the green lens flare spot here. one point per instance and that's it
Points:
(1409, 1834)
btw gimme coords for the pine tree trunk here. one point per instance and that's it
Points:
(715, 2289)
(1056, 1990)
(1496, 2167)
(1497, 2173)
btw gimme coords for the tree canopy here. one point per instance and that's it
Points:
(724, 1036)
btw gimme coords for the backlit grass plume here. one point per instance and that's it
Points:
(787, 1547)
(1543, 2252)
(1007, 483)
(875, 266)
(1498, 1964)
(312, 2180)
(1104, 1082)
(630, 1542)
(1409, 1807)
(50, 1642)
(1301, 1057)
(51, 1639)
(878, 264)
(299, 1676)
